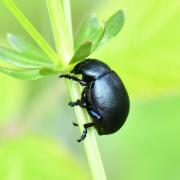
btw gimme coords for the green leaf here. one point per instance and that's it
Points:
(24, 74)
(21, 60)
(24, 46)
(33, 32)
(91, 30)
(82, 52)
(47, 72)
(113, 26)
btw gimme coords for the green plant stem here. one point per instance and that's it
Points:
(90, 143)
(32, 31)
(62, 40)
(67, 14)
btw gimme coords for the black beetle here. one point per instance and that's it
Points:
(104, 96)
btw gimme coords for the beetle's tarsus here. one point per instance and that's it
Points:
(75, 124)
(79, 140)
(75, 103)
(72, 104)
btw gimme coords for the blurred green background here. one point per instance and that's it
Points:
(37, 139)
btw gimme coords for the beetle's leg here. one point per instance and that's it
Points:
(95, 114)
(67, 76)
(77, 103)
(74, 124)
(83, 135)
(87, 125)
(80, 102)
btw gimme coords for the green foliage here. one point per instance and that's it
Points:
(27, 25)
(97, 32)
(32, 62)
(27, 48)
(91, 30)
(24, 74)
(29, 61)
(22, 60)
(113, 25)
(82, 52)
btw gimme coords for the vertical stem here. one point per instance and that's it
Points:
(67, 13)
(62, 38)
(90, 143)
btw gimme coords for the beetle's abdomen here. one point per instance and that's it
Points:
(109, 97)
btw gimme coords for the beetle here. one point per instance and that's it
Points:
(104, 96)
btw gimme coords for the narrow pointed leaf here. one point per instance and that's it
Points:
(82, 52)
(21, 60)
(113, 25)
(91, 30)
(25, 47)
(24, 74)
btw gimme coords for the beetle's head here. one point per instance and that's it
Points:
(91, 67)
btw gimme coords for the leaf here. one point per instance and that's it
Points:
(97, 32)
(47, 71)
(21, 60)
(82, 52)
(113, 26)
(26, 47)
(24, 74)
(23, 20)
(91, 30)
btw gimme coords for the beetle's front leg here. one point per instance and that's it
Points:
(67, 76)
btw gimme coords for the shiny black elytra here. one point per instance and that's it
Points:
(104, 96)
